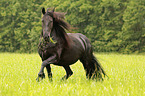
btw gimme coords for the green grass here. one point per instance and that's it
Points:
(19, 71)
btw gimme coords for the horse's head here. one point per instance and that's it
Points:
(54, 22)
(47, 23)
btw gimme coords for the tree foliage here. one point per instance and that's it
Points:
(111, 25)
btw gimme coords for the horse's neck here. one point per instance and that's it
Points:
(55, 37)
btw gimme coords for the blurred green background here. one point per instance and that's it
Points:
(111, 25)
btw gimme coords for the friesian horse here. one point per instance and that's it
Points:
(64, 49)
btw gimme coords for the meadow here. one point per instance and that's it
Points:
(18, 74)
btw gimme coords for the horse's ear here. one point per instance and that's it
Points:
(53, 9)
(43, 11)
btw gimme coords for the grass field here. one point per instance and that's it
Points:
(19, 71)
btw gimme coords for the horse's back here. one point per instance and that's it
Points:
(83, 42)
(82, 39)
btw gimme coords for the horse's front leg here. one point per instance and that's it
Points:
(45, 63)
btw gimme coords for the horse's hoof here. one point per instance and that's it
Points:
(64, 78)
(41, 75)
(50, 79)
(39, 79)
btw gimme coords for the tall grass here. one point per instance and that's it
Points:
(19, 71)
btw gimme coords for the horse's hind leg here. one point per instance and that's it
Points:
(68, 72)
(49, 72)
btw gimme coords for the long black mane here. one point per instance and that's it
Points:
(60, 27)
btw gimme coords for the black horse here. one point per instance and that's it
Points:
(63, 49)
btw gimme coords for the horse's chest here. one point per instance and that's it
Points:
(47, 49)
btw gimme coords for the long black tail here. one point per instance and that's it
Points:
(95, 70)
